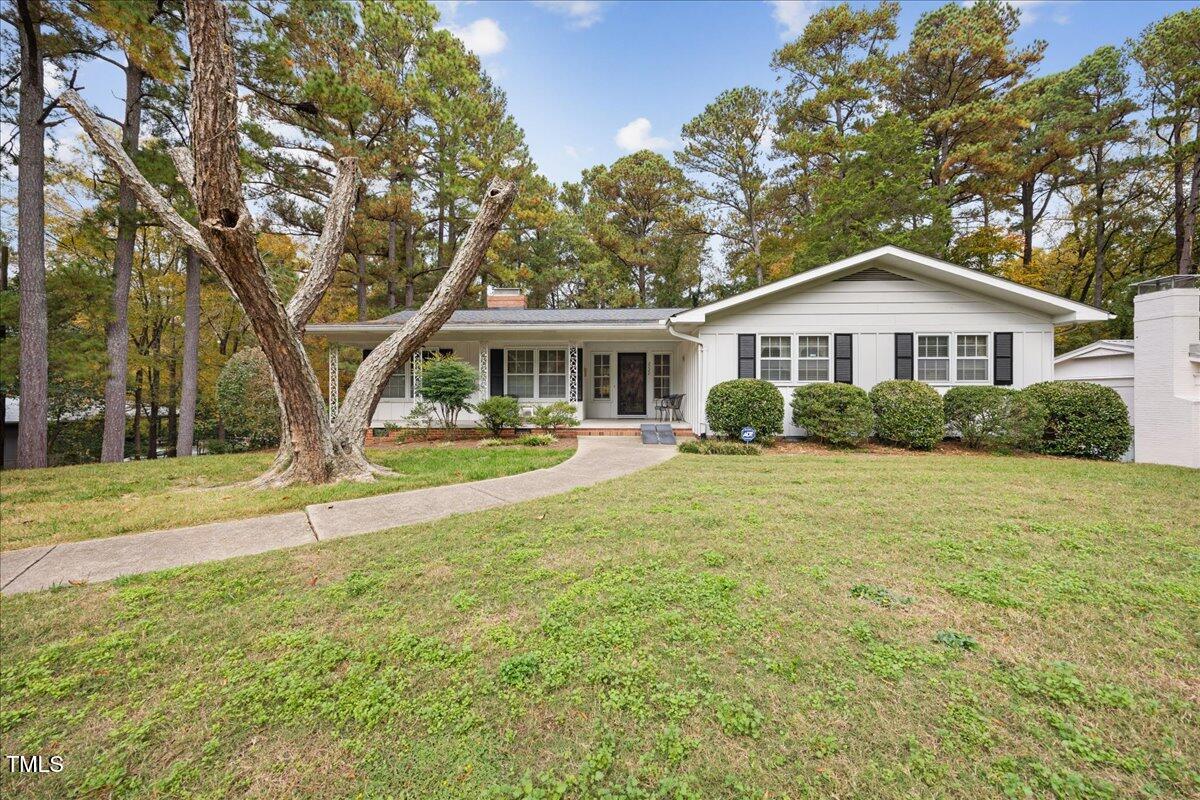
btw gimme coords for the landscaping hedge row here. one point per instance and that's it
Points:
(1055, 417)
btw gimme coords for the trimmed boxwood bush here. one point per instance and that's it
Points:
(837, 413)
(995, 416)
(1083, 419)
(499, 412)
(908, 413)
(733, 405)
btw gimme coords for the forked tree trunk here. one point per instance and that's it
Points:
(312, 451)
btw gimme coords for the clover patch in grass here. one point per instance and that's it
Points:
(879, 595)
(520, 670)
(956, 641)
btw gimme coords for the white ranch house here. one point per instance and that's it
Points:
(886, 313)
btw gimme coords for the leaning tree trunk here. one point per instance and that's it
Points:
(311, 451)
(31, 244)
(116, 332)
(191, 357)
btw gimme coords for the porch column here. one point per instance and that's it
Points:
(573, 393)
(333, 381)
(484, 363)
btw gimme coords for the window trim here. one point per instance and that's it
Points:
(790, 340)
(986, 358)
(592, 382)
(537, 388)
(793, 338)
(829, 365)
(952, 377)
(670, 376)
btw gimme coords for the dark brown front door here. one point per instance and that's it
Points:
(631, 383)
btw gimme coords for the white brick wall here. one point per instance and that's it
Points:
(1166, 379)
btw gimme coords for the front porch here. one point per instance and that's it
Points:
(614, 383)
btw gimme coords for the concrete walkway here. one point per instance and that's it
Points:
(596, 459)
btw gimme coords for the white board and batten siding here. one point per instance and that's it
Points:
(872, 308)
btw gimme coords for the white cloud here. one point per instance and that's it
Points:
(571, 151)
(577, 153)
(579, 13)
(1031, 10)
(483, 37)
(636, 136)
(51, 79)
(792, 15)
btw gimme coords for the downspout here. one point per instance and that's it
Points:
(687, 337)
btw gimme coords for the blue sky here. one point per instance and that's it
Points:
(577, 73)
(590, 80)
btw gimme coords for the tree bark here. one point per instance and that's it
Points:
(191, 357)
(116, 332)
(31, 243)
(1187, 251)
(372, 376)
(311, 452)
(1098, 271)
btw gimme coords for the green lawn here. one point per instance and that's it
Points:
(842, 626)
(68, 504)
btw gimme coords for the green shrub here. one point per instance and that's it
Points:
(1082, 419)
(837, 413)
(908, 413)
(733, 405)
(708, 447)
(447, 383)
(246, 399)
(995, 416)
(499, 412)
(559, 414)
(536, 440)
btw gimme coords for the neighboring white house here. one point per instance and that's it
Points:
(887, 313)
(1108, 362)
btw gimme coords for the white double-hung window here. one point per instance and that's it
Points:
(775, 358)
(519, 372)
(971, 357)
(953, 358)
(536, 374)
(933, 358)
(552, 374)
(812, 358)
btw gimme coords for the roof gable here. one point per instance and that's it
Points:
(1099, 349)
(896, 260)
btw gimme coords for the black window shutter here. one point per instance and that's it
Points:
(1002, 359)
(496, 372)
(904, 356)
(747, 357)
(843, 358)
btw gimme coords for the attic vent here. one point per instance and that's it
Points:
(873, 274)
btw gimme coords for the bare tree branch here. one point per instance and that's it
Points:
(185, 166)
(147, 195)
(329, 247)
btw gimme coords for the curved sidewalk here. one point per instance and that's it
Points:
(597, 459)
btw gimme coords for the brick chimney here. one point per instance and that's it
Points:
(505, 298)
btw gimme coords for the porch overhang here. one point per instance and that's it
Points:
(374, 332)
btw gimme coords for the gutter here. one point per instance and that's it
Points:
(687, 337)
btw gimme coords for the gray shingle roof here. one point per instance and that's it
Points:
(546, 316)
